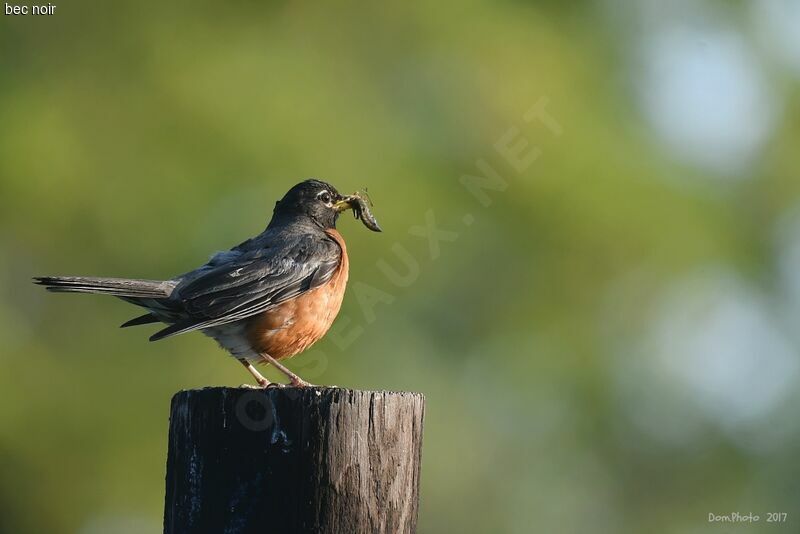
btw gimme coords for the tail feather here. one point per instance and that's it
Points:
(147, 318)
(119, 287)
(172, 330)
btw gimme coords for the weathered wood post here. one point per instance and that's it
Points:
(311, 460)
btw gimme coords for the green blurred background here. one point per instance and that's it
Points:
(611, 346)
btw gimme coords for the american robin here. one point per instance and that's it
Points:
(264, 300)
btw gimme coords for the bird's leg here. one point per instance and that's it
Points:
(295, 380)
(262, 382)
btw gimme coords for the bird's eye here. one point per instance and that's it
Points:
(325, 197)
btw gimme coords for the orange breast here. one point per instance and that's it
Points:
(295, 325)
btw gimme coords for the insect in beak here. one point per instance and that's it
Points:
(361, 209)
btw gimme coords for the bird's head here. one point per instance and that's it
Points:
(321, 203)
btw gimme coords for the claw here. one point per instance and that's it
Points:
(300, 383)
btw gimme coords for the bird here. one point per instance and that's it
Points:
(264, 300)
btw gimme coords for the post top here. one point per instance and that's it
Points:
(309, 393)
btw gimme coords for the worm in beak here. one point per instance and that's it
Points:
(361, 210)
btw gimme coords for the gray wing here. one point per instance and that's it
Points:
(252, 282)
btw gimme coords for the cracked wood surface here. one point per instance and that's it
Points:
(321, 460)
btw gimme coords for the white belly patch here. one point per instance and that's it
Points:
(232, 337)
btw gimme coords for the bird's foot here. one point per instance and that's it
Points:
(298, 382)
(264, 385)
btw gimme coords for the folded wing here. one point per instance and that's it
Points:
(251, 283)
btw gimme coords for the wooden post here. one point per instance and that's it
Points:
(309, 460)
